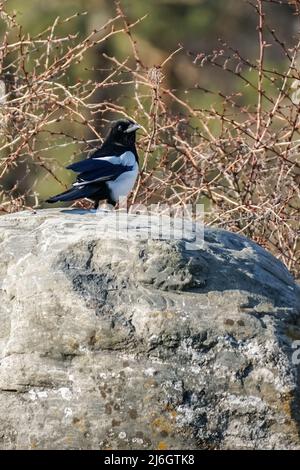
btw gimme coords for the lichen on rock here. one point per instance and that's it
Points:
(142, 343)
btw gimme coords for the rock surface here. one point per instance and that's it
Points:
(142, 343)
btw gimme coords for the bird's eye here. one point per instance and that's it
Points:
(119, 127)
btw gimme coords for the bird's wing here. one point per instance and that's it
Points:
(126, 158)
(96, 162)
(86, 165)
(92, 170)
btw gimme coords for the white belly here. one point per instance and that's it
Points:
(123, 184)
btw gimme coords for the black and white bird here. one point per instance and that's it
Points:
(110, 171)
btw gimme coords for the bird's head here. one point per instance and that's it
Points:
(123, 131)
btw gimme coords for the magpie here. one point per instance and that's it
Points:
(110, 171)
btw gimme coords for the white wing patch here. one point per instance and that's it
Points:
(84, 183)
(126, 159)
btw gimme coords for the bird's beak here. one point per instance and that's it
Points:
(133, 127)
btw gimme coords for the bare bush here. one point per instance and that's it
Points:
(240, 159)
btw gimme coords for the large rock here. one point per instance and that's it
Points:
(140, 343)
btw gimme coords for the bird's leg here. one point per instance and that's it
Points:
(111, 202)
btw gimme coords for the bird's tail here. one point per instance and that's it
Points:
(73, 193)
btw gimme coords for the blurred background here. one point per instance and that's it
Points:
(198, 25)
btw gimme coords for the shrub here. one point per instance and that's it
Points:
(238, 156)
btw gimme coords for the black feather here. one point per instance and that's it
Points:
(75, 193)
